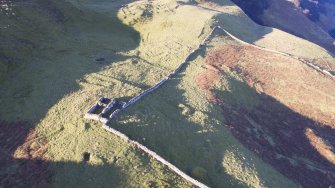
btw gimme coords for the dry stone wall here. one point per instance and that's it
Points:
(177, 70)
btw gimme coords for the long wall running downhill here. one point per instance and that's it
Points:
(144, 93)
(155, 156)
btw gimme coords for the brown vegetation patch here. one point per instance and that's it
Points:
(206, 81)
(21, 161)
(320, 145)
(293, 98)
(289, 81)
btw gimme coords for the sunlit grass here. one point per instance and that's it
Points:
(57, 82)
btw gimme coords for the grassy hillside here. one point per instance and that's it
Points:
(33, 90)
(80, 50)
(234, 20)
(284, 117)
(180, 123)
(311, 20)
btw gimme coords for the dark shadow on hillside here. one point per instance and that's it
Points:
(278, 135)
(164, 129)
(162, 125)
(253, 8)
(230, 23)
(279, 139)
(61, 67)
(83, 37)
(31, 170)
(256, 10)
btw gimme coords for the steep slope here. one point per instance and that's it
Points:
(234, 20)
(28, 27)
(278, 107)
(118, 49)
(48, 48)
(319, 11)
(311, 20)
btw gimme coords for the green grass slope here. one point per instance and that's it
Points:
(67, 46)
(179, 123)
(94, 47)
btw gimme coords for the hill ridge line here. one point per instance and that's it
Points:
(325, 72)
(145, 92)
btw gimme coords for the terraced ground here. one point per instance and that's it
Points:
(98, 47)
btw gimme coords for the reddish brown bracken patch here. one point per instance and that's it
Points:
(206, 81)
(22, 161)
(293, 99)
(319, 144)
